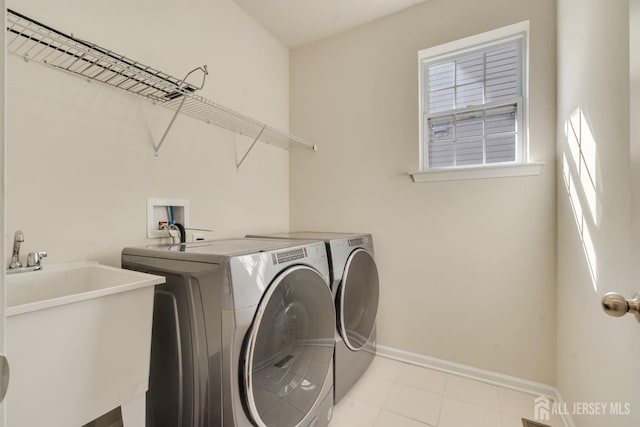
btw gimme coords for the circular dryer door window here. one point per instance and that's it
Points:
(289, 348)
(359, 292)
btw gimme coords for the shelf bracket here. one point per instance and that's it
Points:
(250, 147)
(156, 148)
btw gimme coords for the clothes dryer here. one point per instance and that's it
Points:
(356, 290)
(243, 333)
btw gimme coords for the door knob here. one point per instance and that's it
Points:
(4, 376)
(617, 305)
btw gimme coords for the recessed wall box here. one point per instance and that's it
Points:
(160, 210)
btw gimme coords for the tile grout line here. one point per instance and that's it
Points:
(419, 389)
(380, 408)
(375, 421)
(393, 383)
(499, 411)
(496, 379)
(411, 418)
(500, 405)
(394, 380)
(478, 406)
(444, 393)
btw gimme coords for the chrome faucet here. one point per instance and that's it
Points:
(18, 238)
(33, 259)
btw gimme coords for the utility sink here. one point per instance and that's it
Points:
(78, 344)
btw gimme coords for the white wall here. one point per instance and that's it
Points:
(2, 185)
(634, 101)
(595, 358)
(468, 267)
(80, 161)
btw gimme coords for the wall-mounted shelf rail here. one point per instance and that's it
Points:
(34, 41)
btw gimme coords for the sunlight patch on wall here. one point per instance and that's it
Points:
(582, 147)
(579, 165)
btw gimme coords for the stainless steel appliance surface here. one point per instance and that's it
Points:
(356, 289)
(243, 333)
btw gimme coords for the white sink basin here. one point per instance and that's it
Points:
(78, 342)
(68, 283)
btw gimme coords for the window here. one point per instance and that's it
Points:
(473, 99)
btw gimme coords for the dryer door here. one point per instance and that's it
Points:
(289, 348)
(358, 299)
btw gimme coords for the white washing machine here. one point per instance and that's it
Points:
(356, 290)
(243, 333)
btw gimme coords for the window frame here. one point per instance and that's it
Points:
(469, 45)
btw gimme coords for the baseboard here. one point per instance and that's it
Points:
(490, 377)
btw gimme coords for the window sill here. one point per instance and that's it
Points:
(478, 172)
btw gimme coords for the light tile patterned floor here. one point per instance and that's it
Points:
(394, 394)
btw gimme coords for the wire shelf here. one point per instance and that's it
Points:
(34, 41)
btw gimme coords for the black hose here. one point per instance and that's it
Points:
(183, 233)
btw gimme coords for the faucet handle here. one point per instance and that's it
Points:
(34, 258)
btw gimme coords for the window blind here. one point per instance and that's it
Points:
(471, 105)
